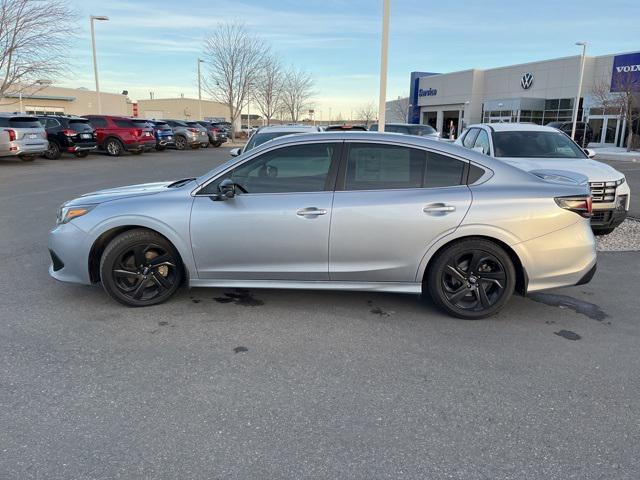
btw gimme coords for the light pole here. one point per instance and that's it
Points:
(577, 102)
(384, 50)
(199, 90)
(95, 60)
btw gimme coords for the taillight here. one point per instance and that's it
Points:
(12, 134)
(194, 130)
(69, 133)
(581, 205)
(136, 132)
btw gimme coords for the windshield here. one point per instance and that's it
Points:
(260, 138)
(535, 144)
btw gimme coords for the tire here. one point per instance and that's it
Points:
(181, 143)
(603, 231)
(457, 289)
(81, 154)
(205, 145)
(113, 147)
(27, 158)
(54, 152)
(127, 282)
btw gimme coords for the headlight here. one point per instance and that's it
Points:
(66, 214)
(621, 181)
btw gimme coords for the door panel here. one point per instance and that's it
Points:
(383, 235)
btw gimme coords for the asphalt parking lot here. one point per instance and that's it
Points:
(631, 171)
(287, 384)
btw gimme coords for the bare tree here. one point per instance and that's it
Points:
(268, 88)
(234, 60)
(35, 40)
(297, 92)
(399, 108)
(368, 113)
(624, 99)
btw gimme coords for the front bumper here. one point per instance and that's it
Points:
(604, 219)
(69, 250)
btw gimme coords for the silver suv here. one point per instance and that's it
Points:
(22, 136)
(188, 136)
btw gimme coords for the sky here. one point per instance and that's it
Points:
(154, 45)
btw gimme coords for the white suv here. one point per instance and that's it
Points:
(534, 147)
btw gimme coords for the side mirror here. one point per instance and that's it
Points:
(227, 189)
(234, 152)
(590, 152)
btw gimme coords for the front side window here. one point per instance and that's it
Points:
(380, 167)
(482, 142)
(296, 168)
(535, 144)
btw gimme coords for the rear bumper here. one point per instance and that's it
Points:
(19, 148)
(562, 258)
(82, 148)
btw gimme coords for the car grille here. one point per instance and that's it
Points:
(603, 192)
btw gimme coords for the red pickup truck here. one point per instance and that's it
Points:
(116, 135)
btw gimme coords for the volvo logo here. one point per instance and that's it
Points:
(628, 68)
(526, 81)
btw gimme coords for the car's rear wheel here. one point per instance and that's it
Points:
(53, 152)
(114, 147)
(471, 279)
(140, 268)
(205, 145)
(181, 143)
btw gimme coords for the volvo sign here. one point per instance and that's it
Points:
(625, 75)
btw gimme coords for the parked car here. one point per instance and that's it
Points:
(22, 136)
(67, 133)
(530, 147)
(217, 135)
(408, 129)
(265, 134)
(344, 211)
(345, 128)
(117, 135)
(162, 132)
(188, 136)
(201, 130)
(583, 130)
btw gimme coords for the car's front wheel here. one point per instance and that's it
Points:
(471, 279)
(140, 268)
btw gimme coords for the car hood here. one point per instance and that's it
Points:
(109, 194)
(595, 171)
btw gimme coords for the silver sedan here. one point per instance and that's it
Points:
(342, 211)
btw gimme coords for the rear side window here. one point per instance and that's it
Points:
(98, 122)
(470, 137)
(381, 167)
(50, 122)
(80, 125)
(482, 141)
(475, 173)
(24, 122)
(124, 123)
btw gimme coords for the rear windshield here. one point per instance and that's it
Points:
(26, 122)
(162, 125)
(124, 123)
(535, 144)
(80, 125)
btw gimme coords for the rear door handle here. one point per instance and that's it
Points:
(438, 209)
(311, 212)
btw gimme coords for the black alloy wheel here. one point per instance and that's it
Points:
(140, 268)
(53, 152)
(472, 279)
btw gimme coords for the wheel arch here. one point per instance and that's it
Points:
(522, 279)
(101, 242)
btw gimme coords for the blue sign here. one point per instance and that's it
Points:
(429, 92)
(625, 75)
(414, 109)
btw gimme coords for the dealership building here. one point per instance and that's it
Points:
(538, 92)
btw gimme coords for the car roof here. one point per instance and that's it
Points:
(515, 127)
(17, 114)
(288, 128)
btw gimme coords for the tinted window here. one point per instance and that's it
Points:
(24, 122)
(379, 167)
(535, 144)
(98, 122)
(482, 141)
(298, 168)
(474, 174)
(470, 137)
(49, 122)
(124, 123)
(80, 125)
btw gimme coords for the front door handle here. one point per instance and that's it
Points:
(438, 209)
(311, 212)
